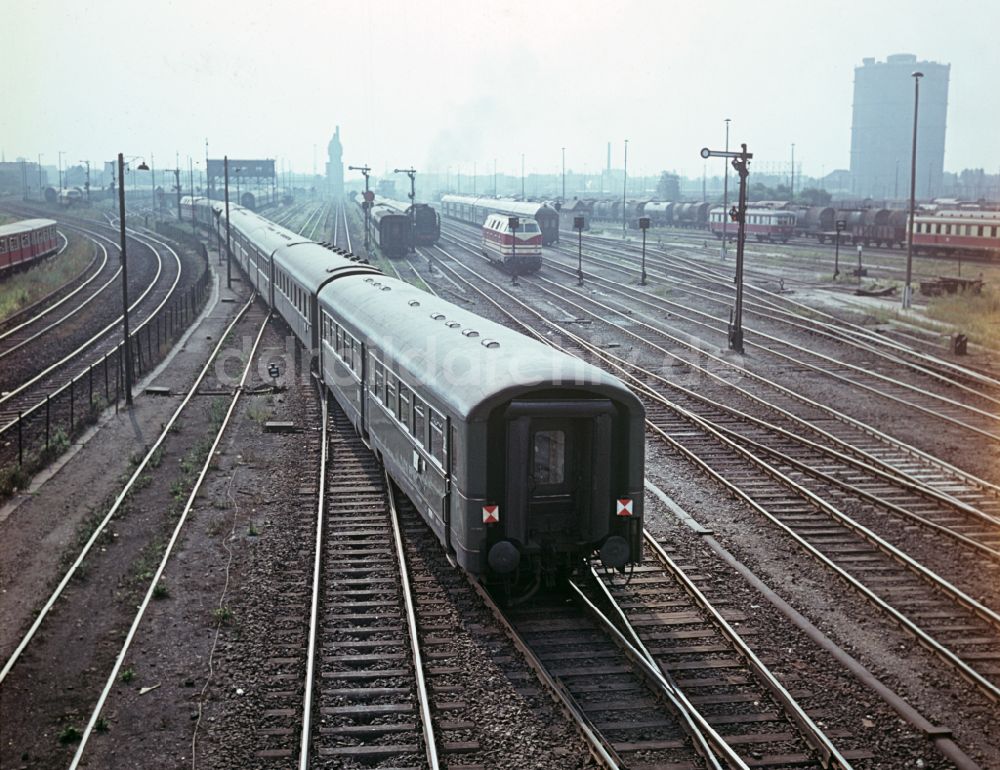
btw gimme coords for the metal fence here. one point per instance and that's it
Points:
(42, 432)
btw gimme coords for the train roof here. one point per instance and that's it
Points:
(266, 234)
(952, 214)
(504, 205)
(312, 264)
(403, 206)
(25, 226)
(380, 211)
(471, 363)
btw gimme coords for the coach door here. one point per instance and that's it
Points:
(558, 468)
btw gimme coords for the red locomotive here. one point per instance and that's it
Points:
(521, 258)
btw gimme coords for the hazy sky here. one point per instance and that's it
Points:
(436, 82)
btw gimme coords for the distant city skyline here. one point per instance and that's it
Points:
(446, 83)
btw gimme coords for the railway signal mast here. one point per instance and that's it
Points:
(741, 162)
(412, 173)
(369, 197)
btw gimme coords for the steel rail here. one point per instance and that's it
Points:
(423, 696)
(182, 519)
(66, 359)
(698, 269)
(706, 740)
(814, 735)
(42, 300)
(347, 228)
(600, 750)
(769, 310)
(305, 741)
(967, 672)
(74, 311)
(632, 295)
(871, 459)
(988, 688)
(869, 463)
(119, 500)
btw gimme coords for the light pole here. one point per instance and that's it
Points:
(177, 187)
(522, 176)
(840, 225)
(126, 345)
(40, 196)
(61, 153)
(494, 177)
(412, 173)
(643, 225)
(563, 198)
(791, 177)
(725, 193)
(229, 261)
(624, 191)
(578, 226)
(514, 223)
(908, 289)
(741, 162)
(365, 169)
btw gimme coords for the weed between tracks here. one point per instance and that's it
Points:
(17, 477)
(23, 288)
(977, 315)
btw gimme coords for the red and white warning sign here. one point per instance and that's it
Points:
(624, 506)
(491, 514)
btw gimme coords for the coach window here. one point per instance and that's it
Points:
(390, 391)
(403, 413)
(378, 380)
(549, 463)
(349, 351)
(419, 421)
(436, 446)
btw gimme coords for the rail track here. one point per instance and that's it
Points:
(959, 629)
(79, 677)
(689, 267)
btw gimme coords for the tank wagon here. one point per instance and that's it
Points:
(475, 210)
(523, 460)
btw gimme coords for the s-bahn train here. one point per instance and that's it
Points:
(26, 241)
(425, 221)
(518, 252)
(523, 460)
(955, 232)
(763, 224)
(474, 211)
